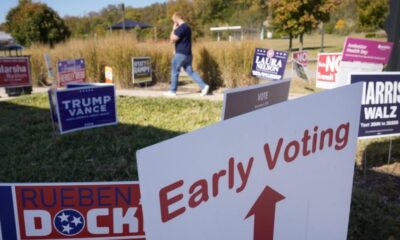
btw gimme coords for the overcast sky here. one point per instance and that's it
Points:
(75, 7)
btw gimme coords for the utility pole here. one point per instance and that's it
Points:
(392, 26)
(322, 28)
(123, 15)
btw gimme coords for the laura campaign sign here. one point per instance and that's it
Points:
(15, 72)
(327, 69)
(265, 175)
(71, 71)
(85, 107)
(380, 104)
(269, 64)
(367, 51)
(71, 211)
(141, 70)
(242, 100)
(300, 63)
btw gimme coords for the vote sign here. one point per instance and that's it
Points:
(262, 175)
(15, 72)
(269, 64)
(242, 100)
(71, 71)
(380, 104)
(86, 107)
(71, 211)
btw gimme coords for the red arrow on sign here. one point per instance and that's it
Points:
(264, 214)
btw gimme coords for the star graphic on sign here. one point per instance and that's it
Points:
(76, 221)
(63, 217)
(67, 228)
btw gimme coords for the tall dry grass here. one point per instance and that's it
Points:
(220, 63)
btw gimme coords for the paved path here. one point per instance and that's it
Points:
(190, 94)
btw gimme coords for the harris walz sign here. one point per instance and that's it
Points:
(380, 104)
(269, 64)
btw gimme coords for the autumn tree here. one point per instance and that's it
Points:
(297, 17)
(31, 22)
(371, 14)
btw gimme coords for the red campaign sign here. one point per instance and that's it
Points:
(328, 66)
(301, 57)
(93, 211)
(15, 72)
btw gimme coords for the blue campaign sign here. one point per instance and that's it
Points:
(269, 64)
(86, 107)
(71, 71)
(380, 104)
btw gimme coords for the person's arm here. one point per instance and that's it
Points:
(173, 37)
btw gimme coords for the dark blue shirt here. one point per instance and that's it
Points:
(184, 44)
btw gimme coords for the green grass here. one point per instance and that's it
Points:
(31, 152)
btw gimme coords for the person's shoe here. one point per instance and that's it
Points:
(205, 90)
(169, 94)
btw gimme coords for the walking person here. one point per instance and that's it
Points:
(181, 36)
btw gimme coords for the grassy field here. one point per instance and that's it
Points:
(30, 152)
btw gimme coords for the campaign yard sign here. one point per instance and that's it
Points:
(269, 64)
(84, 107)
(141, 70)
(366, 51)
(71, 71)
(15, 72)
(362, 55)
(300, 63)
(380, 104)
(242, 100)
(108, 74)
(263, 175)
(49, 66)
(327, 69)
(99, 211)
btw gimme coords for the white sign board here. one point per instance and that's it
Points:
(281, 172)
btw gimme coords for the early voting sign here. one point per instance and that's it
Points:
(83, 107)
(380, 104)
(242, 100)
(141, 70)
(71, 211)
(300, 64)
(264, 175)
(71, 71)
(269, 64)
(327, 69)
(15, 72)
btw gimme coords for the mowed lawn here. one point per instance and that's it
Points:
(31, 152)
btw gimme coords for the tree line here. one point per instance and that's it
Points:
(31, 22)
